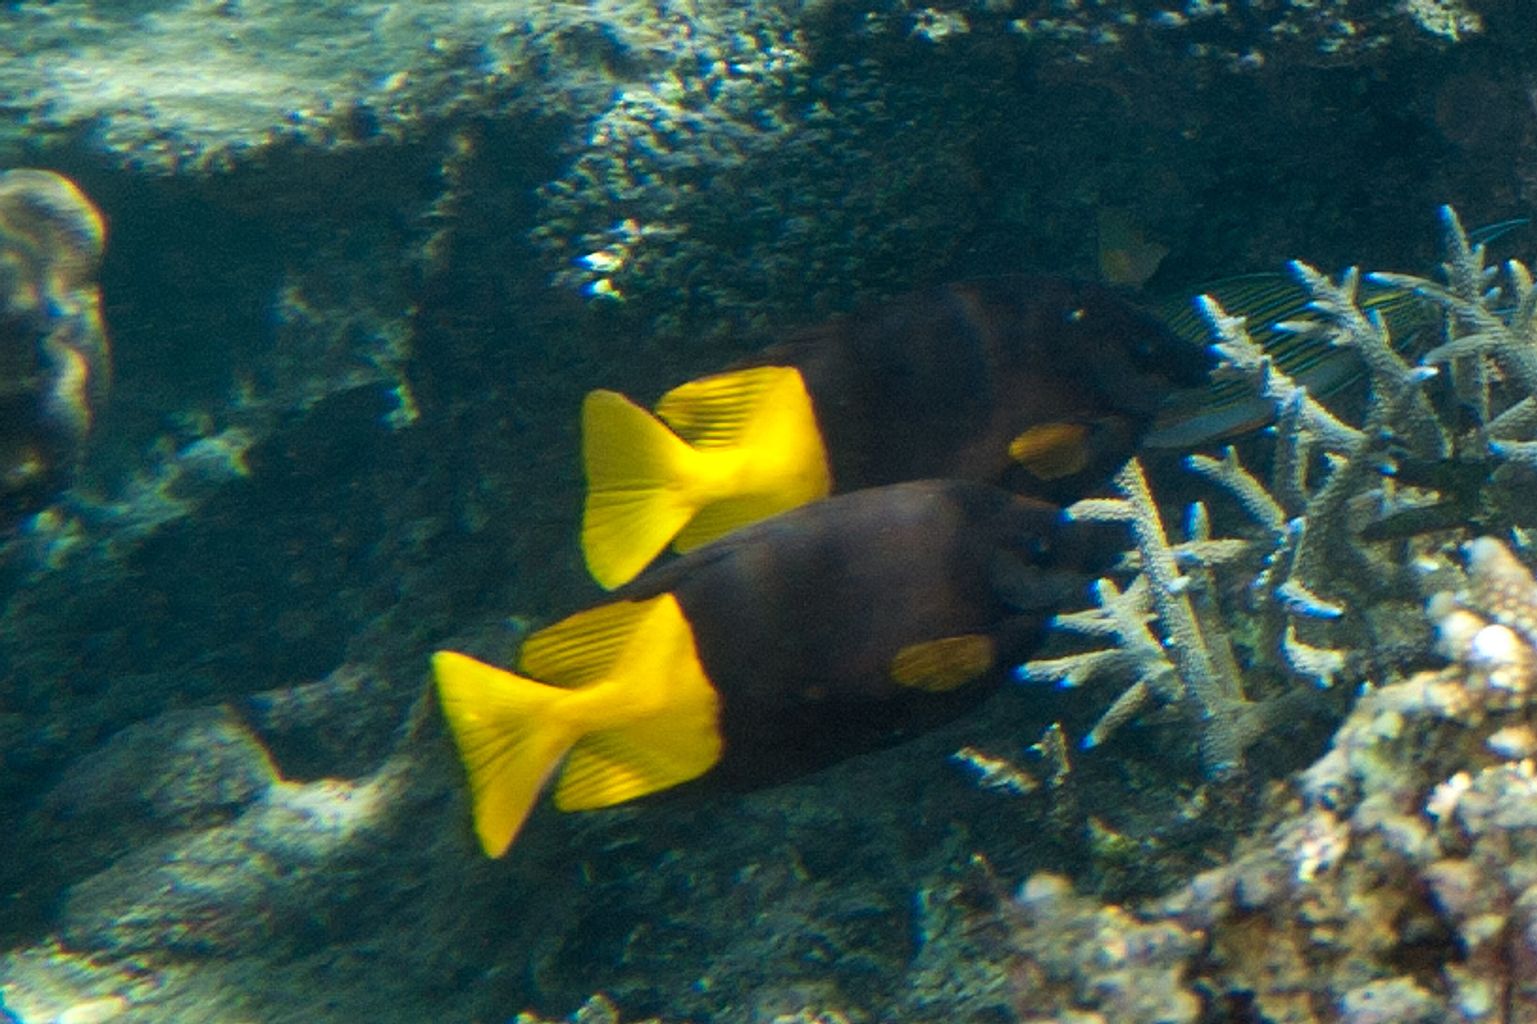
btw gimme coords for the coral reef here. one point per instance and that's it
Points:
(1393, 883)
(1194, 666)
(1404, 867)
(1138, 968)
(1393, 880)
(342, 434)
(1227, 33)
(1321, 532)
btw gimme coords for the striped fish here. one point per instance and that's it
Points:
(1229, 408)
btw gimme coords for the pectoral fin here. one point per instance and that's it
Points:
(941, 665)
(1052, 450)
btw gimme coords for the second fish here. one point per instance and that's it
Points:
(1044, 385)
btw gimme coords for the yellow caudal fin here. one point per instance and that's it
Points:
(634, 714)
(764, 417)
(650, 717)
(508, 739)
(638, 495)
(742, 446)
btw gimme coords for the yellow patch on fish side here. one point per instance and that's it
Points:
(943, 664)
(1052, 450)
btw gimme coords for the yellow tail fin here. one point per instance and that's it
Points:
(747, 446)
(765, 418)
(508, 741)
(638, 496)
(639, 715)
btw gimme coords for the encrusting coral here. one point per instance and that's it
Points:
(1428, 789)
(1396, 879)
(53, 347)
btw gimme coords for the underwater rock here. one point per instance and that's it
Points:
(233, 888)
(278, 76)
(181, 770)
(211, 875)
(53, 347)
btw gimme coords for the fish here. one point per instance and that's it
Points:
(1041, 384)
(836, 628)
(1126, 254)
(1229, 408)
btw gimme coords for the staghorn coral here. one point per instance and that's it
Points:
(1315, 577)
(1194, 667)
(1488, 345)
(1311, 510)
(1190, 662)
(53, 347)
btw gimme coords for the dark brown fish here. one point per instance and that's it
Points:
(1040, 384)
(795, 642)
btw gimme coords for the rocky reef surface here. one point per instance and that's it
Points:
(362, 262)
(1391, 882)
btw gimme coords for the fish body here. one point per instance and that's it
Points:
(1040, 384)
(837, 628)
(1228, 408)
